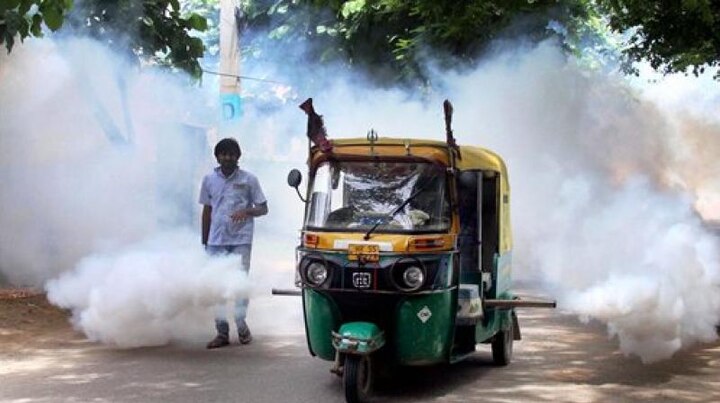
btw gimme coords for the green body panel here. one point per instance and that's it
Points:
(321, 318)
(360, 330)
(503, 272)
(428, 342)
(358, 338)
(497, 319)
(503, 265)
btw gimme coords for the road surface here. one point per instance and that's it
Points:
(559, 360)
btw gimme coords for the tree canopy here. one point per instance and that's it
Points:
(25, 18)
(155, 31)
(390, 38)
(673, 35)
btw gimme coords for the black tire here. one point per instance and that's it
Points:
(357, 378)
(502, 347)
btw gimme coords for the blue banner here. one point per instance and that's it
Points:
(231, 106)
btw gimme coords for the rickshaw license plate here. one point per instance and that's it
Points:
(364, 252)
(361, 280)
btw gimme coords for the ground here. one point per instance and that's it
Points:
(560, 359)
(28, 319)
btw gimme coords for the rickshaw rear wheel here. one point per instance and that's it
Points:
(357, 378)
(502, 347)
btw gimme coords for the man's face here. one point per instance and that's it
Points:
(227, 160)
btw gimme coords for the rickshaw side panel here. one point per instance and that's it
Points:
(424, 328)
(502, 278)
(321, 318)
(497, 319)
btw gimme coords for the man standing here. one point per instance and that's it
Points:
(231, 199)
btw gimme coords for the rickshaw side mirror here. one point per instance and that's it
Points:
(294, 178)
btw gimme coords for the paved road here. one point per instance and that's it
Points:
(559, 360)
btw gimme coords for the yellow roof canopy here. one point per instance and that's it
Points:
(471, 157)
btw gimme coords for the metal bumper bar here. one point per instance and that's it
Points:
(518, 303)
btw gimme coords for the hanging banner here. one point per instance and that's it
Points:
(231, 106)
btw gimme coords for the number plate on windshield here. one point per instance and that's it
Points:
(364, 252)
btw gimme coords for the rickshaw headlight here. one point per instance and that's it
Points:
(413, 277)
(316, 273)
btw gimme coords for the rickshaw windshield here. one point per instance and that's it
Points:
(358, 195)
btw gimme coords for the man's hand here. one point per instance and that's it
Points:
(243, 214)
(206, 217)
(240, 215)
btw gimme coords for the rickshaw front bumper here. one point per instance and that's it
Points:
(358, 338)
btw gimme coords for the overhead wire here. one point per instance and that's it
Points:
(238, 77)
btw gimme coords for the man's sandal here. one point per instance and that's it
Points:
(220, 340)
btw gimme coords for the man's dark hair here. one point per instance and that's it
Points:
(227, 146)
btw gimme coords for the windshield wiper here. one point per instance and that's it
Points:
(401, 206)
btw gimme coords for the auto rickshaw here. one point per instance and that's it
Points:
(405, 254)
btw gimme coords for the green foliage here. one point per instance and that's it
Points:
(155, 31)
(390, 38)
(23, 18)
(673, 35)
(210, 11)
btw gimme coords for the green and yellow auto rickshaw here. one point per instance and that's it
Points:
(405, 254)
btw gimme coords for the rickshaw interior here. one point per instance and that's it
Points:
(479, 220)
(478, 247)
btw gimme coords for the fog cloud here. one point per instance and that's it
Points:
(611, 182)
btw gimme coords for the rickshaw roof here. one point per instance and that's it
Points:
(471, 157)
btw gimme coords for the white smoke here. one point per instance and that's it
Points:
(103, 220)
(607, 184)
(606, 180)
(68, 188)
(150, 293)
(604, 194)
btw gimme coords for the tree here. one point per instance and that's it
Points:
(390, 38)
(25, 18)
(673, 35)
(154, 31)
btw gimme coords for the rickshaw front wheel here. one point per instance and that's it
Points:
(502, 347)
(357, 378)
